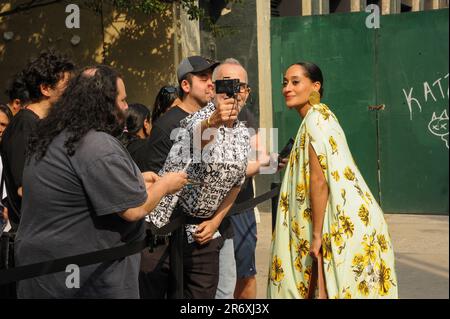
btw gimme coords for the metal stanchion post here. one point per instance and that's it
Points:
(176, 283)
(274, 204)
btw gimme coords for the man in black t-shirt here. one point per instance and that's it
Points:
(82, 193)
(45, 78)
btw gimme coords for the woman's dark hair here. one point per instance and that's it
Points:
(5, 109)
(17, 89)
(135, 117)
(166, 96)
(88, 103)
(313, 72)
(48, 68)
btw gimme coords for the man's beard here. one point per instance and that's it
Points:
(120, 117)
(202, 102)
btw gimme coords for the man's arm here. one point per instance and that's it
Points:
(207, 229)
(259, 159)
(156, 189)
(226, 113)
(262, 160)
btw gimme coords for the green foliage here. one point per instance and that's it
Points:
(156, 6)
(145, 6)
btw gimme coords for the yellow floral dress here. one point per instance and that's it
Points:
(357, 250)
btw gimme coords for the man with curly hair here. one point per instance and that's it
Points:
(83, 192)
(45, 78)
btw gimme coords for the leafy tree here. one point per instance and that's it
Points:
(145, 6)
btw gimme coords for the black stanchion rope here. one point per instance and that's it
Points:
(110, 254)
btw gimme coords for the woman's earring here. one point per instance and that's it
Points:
(314, 98)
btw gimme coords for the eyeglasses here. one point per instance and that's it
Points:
(243, 87)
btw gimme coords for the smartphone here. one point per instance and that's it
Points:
(286, 150)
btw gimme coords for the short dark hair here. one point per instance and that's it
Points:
(47, 68)
(164, 99)
(88, 103)
(17, 89)
(188, 77)
(314, 73)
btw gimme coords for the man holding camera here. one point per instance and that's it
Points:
(215, 177)
(196, 90)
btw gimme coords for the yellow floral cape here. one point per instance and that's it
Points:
(356, 246)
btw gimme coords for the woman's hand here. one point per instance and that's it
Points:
(174, 181)
(316, 247)
(282, 164)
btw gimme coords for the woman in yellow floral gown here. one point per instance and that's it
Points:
(331, 239)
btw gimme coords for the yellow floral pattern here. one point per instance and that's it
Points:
(307, 214)
(333, 144)
(364, 214)
(284, 205)
(322, 161)
(301, 193)
(302, 290)
(326, 247)
(349, 174)
(357, 251)
(336, 176)
(303, 248)
(277, 273)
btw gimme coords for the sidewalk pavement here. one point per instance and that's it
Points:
(421, 245)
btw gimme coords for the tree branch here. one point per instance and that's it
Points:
(28, 6)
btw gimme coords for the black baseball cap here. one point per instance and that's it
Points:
(195, 64)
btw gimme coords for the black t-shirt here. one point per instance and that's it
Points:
(70, 206)
(13, 147)
(135, 148)
(152, 155)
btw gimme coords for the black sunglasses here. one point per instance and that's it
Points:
(170, 89)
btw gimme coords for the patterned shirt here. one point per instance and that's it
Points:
(214, 171)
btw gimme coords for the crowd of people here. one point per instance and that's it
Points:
(82, 168)
(84, 171)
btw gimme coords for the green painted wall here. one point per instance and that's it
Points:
(413, 53)
(364, 67)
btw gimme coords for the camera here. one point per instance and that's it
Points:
(230, 87)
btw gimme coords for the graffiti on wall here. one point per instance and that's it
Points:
(434, 92)
(439, 126)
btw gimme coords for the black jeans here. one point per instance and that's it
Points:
(200, 270)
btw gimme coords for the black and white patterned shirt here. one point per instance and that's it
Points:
(215, 171)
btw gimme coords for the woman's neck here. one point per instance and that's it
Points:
(303, 109)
